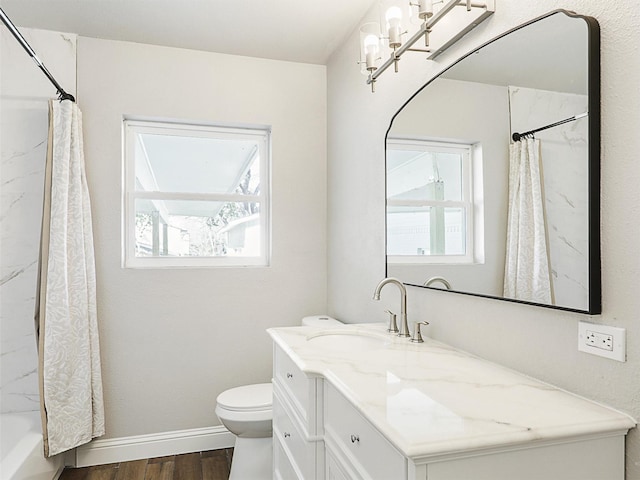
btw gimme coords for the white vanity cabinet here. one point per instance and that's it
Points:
(580, 459)
(354, 447)
(429, 412)
(355, 450)
(297, 421)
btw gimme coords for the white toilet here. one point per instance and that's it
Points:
(246, 412)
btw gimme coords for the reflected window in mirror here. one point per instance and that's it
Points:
(430, 211)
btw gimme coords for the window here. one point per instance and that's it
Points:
(429, 202)
(195, 195)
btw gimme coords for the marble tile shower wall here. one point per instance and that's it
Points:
(564, 150)
(25, 92)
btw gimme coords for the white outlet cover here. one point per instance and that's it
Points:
(619, 335)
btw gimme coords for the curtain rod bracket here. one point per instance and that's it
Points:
(66, 96)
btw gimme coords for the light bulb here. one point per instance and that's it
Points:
(394, 16)
(425, 9)
(371, 44)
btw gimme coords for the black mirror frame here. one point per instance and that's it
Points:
(593, 85)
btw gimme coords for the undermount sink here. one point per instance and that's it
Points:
(347, 341)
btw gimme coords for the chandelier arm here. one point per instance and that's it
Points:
(424, 31)
(426, 26)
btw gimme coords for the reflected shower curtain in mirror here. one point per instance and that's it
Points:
(66, 319)
(527, 261)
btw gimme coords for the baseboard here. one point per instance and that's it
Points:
(58, 473)
(124, 449)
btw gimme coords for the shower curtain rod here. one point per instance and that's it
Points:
(62, 95)
(518, 136)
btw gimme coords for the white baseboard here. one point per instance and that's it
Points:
(124, 449)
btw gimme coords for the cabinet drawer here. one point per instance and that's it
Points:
(336, 469)
(369, 453)
(300, 390)
(282, 468)
(302, 453)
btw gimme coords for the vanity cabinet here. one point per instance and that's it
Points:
(586, 459)
(354, 445)
(429, 412)
(297, 421)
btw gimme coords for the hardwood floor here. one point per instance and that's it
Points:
(211, 465)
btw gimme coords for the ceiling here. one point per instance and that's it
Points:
(292, 30)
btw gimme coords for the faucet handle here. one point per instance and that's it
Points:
(393, 326)
(417, 336)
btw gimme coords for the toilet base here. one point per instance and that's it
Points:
(252, 459)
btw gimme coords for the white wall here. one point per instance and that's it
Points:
(24, 112)
(173, 339)
(534, 340)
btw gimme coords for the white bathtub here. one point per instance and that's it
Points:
(21, 449)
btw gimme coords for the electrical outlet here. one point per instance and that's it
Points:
(599, 340)
(602, 340)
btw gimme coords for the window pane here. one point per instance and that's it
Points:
(425, 231)
(418, 174)
(454, 231)
(197, 229)
(408, 231)
(191, 164)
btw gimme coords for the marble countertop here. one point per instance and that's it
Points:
(431, 400)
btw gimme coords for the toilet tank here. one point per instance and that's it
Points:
(320, 321)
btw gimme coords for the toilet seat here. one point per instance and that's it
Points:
(248, 398)
(247, 411)
(232, 417)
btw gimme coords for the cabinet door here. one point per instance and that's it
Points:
(335, 470)
(282, 468)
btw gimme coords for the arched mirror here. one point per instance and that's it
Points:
(493, 171)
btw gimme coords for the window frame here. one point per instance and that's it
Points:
(466, 203)
(134, 126)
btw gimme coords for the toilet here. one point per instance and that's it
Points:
(246, 412)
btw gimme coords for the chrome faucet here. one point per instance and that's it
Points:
(433, 280)
(404, 327)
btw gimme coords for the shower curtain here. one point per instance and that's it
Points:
(527, 261)
(66, 319)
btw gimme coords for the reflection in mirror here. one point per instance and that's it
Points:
(490, 215)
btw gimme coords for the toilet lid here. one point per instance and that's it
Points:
(247, 397)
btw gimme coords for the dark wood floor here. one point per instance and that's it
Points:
(212, 465)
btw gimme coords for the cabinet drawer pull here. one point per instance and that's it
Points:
(289, 375)
(355, 438)
(287, 434)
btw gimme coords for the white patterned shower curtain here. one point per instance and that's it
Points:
(66, 319)
(526, 274)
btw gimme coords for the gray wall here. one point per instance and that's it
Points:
(533, 340)
(173, 339)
